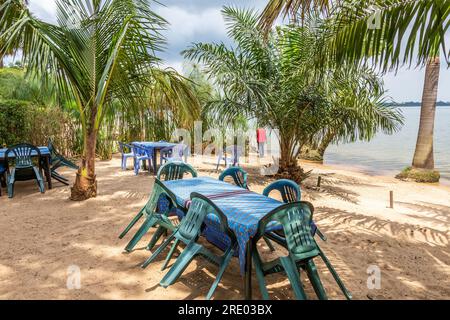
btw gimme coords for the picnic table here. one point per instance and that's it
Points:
(154, 147)
(243, 208)
(45, 161)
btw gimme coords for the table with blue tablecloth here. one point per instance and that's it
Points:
(153, 148)
(244, 209)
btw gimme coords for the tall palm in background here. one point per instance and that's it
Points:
(390, 33)
(283, 85)
(99, 53)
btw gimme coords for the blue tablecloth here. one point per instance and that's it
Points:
(44, 151)
(243, 211)
(155, 145)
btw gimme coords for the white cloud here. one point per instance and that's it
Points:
(44, 9)
(188, 25)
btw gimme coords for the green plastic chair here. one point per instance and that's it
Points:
(152, 218)
(188, 233)
(290, 192)
(57, 161)
(175, 170)
(23, 169)
(238, 174)
(295, 219)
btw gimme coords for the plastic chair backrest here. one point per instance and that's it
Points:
(140, 151)
(238, 174)
(289, 190)
(175, 170)
(124, 146)
(158, 189)
(22, 155)
(295, 219)
(200, 208)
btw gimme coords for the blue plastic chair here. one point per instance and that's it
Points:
(238, 174)
(123, 147)
(231, 156)
(141, 155)
(176, 153)
(23, 169)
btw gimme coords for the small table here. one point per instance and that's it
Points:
(45, 162)
(154, 147)
(244, 210)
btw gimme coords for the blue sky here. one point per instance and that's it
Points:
(200, 21)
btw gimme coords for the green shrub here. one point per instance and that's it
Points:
(14, 122)
(419, 175)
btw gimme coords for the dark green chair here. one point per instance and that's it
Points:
(23, 168)
(238, 174)
(295, 218)
(153, 217)
(58, 161)
(188, 233)
(175, 170)
(288, 189)
(290, 192)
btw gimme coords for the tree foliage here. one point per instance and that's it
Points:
(285, 84)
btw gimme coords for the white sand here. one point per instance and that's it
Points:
(43, 235)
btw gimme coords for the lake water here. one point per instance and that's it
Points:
(389, 154)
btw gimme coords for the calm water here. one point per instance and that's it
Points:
(388, 155)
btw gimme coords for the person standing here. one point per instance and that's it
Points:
(261, 140)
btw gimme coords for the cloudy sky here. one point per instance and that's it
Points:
(200, 21)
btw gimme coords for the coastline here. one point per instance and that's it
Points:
(385, 175)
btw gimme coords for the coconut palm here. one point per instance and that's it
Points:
(9, 14)
(401, 32)
(281, 84)
(100, 52)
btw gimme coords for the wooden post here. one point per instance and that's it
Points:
(319, 180)
(391, 199)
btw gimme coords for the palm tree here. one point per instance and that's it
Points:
(280, 83)
(100, 52)
(424, 155)
(399, 31)
(9, 14)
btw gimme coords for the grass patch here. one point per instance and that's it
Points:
(419, 175)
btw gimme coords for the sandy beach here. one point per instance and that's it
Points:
(43, 235)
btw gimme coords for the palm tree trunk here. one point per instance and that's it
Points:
(325, 143)
(423, 156)
(85, 186)
(286, 158)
